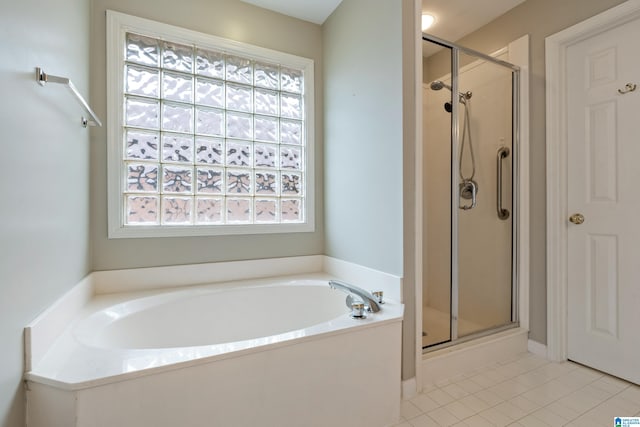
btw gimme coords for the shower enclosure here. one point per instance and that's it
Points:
(470, 155)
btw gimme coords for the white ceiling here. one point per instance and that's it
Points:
(316, 11)
(457, 18)
(454, 18)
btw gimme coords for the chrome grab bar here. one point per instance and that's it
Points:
(503, 153)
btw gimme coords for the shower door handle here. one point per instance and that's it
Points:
(503, 153)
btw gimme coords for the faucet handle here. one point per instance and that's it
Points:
(378, 295)
(357, 310)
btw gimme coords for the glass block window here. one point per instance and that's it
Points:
(210, 137)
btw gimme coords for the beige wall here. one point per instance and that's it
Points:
(44, 174)
(539, 19)
(224, 18)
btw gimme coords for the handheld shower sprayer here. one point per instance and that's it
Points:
(468, 187)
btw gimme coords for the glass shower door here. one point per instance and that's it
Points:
(485, 214)
(469, 128)
(436, 319)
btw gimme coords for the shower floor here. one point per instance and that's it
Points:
(435, 324)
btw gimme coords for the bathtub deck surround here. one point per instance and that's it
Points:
(166, 357)
(120, 336)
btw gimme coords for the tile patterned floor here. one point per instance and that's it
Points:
(528, 391)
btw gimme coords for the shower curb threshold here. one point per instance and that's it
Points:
(469, 356)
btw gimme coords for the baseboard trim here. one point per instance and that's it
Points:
(409, 388)
(537, 348)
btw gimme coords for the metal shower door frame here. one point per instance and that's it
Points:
(455, 194)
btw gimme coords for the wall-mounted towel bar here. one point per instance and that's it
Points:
(42, 78)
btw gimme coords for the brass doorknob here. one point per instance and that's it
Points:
(577, 218)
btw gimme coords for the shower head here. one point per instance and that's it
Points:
(439, 84)
(462, 97)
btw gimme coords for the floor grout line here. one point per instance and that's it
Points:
(559, 380)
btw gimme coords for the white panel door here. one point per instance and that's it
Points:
(604, 187)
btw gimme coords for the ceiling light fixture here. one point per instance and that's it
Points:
(427, 21)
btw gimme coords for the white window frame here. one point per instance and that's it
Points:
(118, 25)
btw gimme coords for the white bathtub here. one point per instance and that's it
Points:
(265, 352)
(238, 317)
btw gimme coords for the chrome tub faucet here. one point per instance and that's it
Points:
(367, 298)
